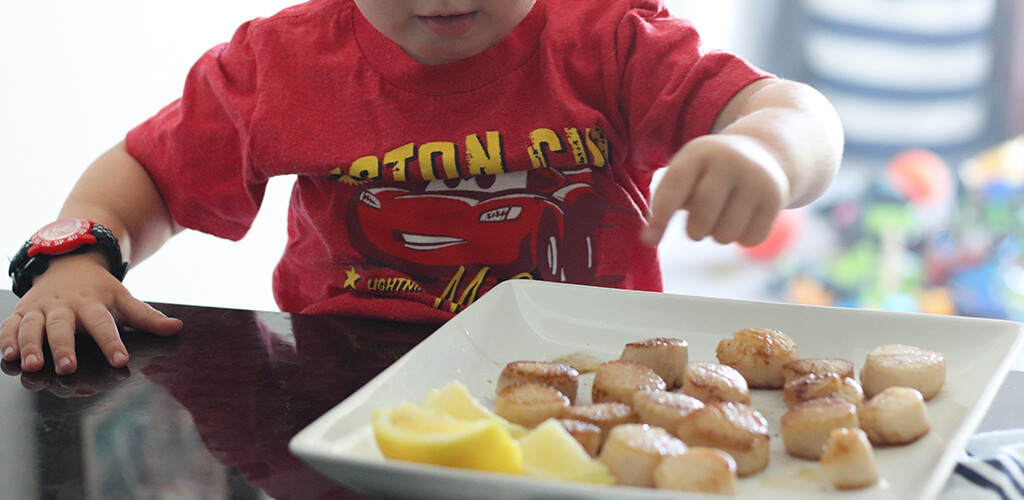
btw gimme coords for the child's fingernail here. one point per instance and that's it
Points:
(64, 363)
(120, 359)
(8, 351)
(31, 359)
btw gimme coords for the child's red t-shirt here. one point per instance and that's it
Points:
(420, 187)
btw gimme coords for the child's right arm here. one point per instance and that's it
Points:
(78, 290)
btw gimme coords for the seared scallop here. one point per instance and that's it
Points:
(758, 354)
(818, 366)
(604, 415)
(562, 377)
(898, 365)
(698, 469)
(668, 357)
(530, 404)
(662, 408)
(807, 426)
(848, 460)
(632, 452)
(895, 416)
(815, 386)
(735, 428)
(714, 383)
(586, 433)
(616, 381)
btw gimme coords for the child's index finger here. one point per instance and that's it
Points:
(670, 195)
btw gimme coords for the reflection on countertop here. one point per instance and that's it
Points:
(207, 414)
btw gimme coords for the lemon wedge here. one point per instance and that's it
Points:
(549, 451)
(454, 399)
(408, 432)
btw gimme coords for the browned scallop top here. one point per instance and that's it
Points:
(534, 393)
(575, 426)
(541, 369)
(648, 439)
(674, 400)
(814, 385)
(896, 396)
(741, 416)
(807, 366)
(764, 341)
(703, 374)
(627, 373)
(659, 341)
(818, 409)
(600, 412)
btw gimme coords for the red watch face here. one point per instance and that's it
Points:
(61, 236)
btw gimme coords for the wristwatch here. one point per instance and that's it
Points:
(65, 236)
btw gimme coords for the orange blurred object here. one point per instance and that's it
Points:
(921, 176)
(787, 228)
(807, 291)
(937, 301)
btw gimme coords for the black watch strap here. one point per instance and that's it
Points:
(24, 269)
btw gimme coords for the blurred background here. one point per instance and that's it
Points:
(927, 214)
(921, 218)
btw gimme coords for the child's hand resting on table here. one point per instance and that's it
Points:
(78, 291)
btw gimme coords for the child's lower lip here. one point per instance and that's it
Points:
(449, 26)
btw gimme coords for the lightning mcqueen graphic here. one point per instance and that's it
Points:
(540, 222)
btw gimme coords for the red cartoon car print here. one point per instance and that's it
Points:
(540, 222)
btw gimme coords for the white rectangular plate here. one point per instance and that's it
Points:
(524, 320)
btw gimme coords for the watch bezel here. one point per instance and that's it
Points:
(74, 233)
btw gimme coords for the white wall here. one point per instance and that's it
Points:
(75, 76)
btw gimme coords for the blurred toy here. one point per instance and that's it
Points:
(787, 228)
(925, 183)
(925, 238)
(990, 229)
(922, 177)
(1003, 164)
(808, 291)
(937, 301)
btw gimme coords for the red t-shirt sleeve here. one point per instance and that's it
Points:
(673, 91)
(196, 148)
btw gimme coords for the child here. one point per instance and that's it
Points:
(440, 147)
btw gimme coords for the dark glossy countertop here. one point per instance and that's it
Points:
(209, 413)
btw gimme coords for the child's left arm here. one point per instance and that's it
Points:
(777, 144)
